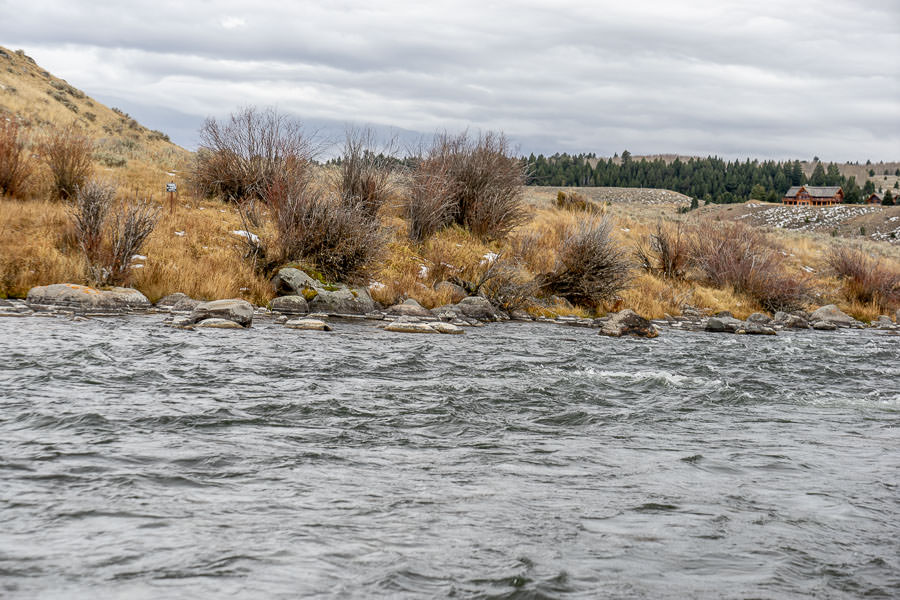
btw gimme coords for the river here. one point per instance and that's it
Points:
(515, 461)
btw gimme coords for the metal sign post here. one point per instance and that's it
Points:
(171, 189)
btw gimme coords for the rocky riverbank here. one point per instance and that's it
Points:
(308, 304)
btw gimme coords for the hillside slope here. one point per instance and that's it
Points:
(125, 150)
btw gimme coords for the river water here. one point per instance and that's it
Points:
(515, 461)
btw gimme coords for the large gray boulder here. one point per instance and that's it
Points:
(832, 315)
(410, 308)
(477, 307)
(236, 310)
(171, 300)
(308, 324)
(290, 305)
(86, 299)
(790, 321)
(760, 318)
(342, 300)
(292, 282)
(216, 323)
(410, 325)
(628, 322)
(724, 324)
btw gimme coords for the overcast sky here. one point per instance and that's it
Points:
(762, 78)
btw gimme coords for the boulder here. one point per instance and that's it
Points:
(448, 312)
(456, 292)
(342, 300)
(628, 322)
(883, 322)
(236, 310)
(308, 324)
(171, 300)
(823, 326)
(409, 308)
(217, 323)
(87, 299)
(410, 325)
(185, 305)
(833, 315)
(751, 328)
(292, 282)
(442, 327)
(477, 307)
(290, 305)
(724, 314)
(760, 318)
(897, 317)
(790, 321)
(520, 315)
(725, 324)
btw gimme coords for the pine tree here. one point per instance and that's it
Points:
(818, 176)
(888, 199)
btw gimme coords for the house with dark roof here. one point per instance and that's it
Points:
(813, 195)
(874, 199)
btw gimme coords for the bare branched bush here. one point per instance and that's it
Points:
(88, 214)
(484, 188)
(866, 279)
(591, 267)
(110, 233)
(365, 177)
(509, 286)
(67, 152)
(239, 158)
(428, 206)
(15, 165)
(132, 223)
(665, 254)
(737, 256)
(316, 228)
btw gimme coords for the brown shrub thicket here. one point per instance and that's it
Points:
(483, 187)
(365, 178)
(575, 202)
(591, 266)
(665, 253)
(738, 256)
(15, 163)
(240, 158)
(110, 233)
(67, 152)
(315, 227)
(866, 279)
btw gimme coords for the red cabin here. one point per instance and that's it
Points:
(809, 195)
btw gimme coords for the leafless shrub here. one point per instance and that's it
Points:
(316, 228)
(110, 233)
(428, 205)
(591, 268)
(509, 286)
(665, 254)
(365, 177)
(239, 158)
(132, 224)
(67, 152)
(484, 187)
(866, 279)
(15, 166)
(88, 214)
(738, 256)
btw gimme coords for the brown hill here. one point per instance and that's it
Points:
(125, 150)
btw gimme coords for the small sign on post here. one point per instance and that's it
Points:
(171, 190)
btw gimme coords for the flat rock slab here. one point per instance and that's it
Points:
(308, 325)
(86, 299)
(407, 327)
(219, 324)
(628, 323)
(237, 310)
(290, 305)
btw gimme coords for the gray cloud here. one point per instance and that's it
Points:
(763, 79)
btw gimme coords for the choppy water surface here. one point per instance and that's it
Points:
(516, 461)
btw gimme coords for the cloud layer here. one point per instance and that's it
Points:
(733, 78)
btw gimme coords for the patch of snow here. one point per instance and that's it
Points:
(808, 269)
(489, 257)
(376, 285)
(252, 237)
(179, 233)
(423, 271)
(138, 257)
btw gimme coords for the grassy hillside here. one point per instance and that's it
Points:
(125, 151)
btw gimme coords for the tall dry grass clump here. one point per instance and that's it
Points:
(737, 256)
(68, 154)
(365, 178)
(482, 192)
(240, 158)
(313, 226)
(865, 279)
(665, 253)
(592, 267)
(110, 233)
(15, 163)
